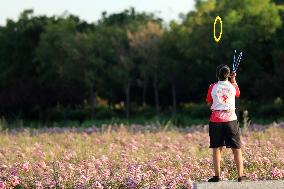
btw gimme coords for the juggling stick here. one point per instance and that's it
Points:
(237, 61)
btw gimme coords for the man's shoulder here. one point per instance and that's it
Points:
(233, 85)
(212, 85)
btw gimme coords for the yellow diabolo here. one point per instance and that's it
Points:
(220, 35)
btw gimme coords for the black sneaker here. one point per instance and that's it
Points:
(242, 178)
(214, 179)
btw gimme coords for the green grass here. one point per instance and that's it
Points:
(187, 115)
(179, 121)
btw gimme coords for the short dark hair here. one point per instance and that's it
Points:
(223, 72)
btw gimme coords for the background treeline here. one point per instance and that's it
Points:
(132, 63)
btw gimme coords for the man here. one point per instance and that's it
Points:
(224, 126)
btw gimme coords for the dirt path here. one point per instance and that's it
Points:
(277, 184)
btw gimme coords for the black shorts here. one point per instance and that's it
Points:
(224, 134)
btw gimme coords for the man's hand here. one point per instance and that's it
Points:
(233, 77)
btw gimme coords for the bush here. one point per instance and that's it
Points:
(196, 110)
(103, 113)
(272, 111)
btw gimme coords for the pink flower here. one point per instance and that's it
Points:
(131, 183)
(118, 178)
(106, 174)
(254, 176)
(189, 184)
(39, 185)
(15, 181)
(83, 179)
(37, 145)
(2, 185)
(98, 185)
(188, 136)
(277, 173)
(26, 166)
(178, 158)
(223, 176)
(14, 171)
(104, 158)
(69, 155)
(42, 165)
(52, 184)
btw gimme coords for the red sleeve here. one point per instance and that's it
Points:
(238, 93)
(209, 98)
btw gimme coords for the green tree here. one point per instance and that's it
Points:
(122, 71)
(123, 64)
(146, 41)
(18, 68)
(62, 56)
(247, 25)
(173, 67)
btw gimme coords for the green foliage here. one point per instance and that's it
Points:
(134, 58)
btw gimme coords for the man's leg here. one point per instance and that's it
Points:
(217, 160)
(239, 161)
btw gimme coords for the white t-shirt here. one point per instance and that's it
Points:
(221, 96)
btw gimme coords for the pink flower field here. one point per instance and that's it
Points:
(132, 156)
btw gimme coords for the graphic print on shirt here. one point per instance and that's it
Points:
(225, 98)
(223, 95)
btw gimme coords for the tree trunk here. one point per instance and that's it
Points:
(127, 94)
(174, 97)
(144, 104)
(156, 90)
(93, 101)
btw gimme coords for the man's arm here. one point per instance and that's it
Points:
(234, 83)
(209, 98)
(233, 77)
